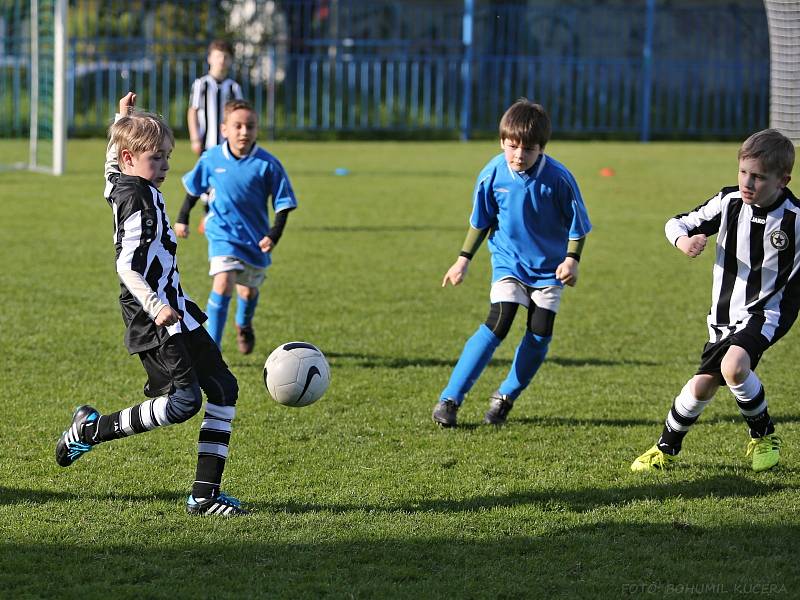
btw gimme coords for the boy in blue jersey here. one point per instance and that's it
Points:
(531, 209)
(242, 178)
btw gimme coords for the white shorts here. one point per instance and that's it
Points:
(246, 275)
(513, 290)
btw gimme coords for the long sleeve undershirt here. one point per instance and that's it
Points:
(475, 238)
(141, 290)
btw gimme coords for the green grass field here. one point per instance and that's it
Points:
(360, 495)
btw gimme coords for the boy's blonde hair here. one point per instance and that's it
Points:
(772, 148)
(140, 132)
(527, 123)
(236, 104)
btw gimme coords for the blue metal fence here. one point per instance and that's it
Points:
(637, 69)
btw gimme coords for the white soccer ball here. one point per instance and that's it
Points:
(296, 374)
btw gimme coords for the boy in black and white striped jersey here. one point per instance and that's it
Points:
(208, 96)
(163, 324)
(755, 294)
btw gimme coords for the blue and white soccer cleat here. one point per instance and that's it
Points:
(219, 505)
(74, 442)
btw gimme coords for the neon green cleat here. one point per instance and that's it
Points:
(653, 460)
(766, 452)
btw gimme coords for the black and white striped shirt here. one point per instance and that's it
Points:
(209, 96)
(756, 281)
(147, 265)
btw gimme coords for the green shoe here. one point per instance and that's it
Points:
(766, 452)
(653, 460)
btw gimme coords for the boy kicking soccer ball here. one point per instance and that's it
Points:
(242, 177)
(530, 207)
(754, 299)
(164, 326)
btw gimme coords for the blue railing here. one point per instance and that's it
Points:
(648, 68)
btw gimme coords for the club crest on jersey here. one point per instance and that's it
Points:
(778, 239)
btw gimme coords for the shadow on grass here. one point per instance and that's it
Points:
(532, 558)
(551, 421)
(372, 361)
(582, 500)
(10, 496)
(402, 362)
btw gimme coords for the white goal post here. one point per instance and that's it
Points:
(46, 78)
(783, 17)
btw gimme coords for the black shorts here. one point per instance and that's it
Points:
(181, 361)
(753, 343)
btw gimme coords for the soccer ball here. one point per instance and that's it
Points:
(296, 374)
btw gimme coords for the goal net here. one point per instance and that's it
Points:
(783, 17)
(32, 70)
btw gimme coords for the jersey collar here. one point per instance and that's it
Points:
(537, 167)
(531, 173)
(763, 211)
(226, 151)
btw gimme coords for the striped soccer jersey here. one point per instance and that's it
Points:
(146, 244)
(756, 282)
(209, 96)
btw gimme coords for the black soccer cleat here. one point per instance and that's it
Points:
(74, 442)
(245, 339)
(445, 413)
(499, 407)
(219, 505)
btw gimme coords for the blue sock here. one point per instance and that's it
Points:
(217, 311)
(474, 357)
(245, 309)
(527, 360)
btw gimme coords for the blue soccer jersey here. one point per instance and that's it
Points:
(532, 217)
(238, 216)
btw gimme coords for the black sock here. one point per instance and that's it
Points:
(212, 449)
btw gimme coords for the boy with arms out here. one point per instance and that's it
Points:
(755, 294)
(244, 177)
(163, 325)
(530, 207)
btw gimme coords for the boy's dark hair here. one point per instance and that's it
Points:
(772, 148)
(527, 123)
(232, 105)
(222, 46)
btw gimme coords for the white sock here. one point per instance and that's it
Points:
(748, 389)
(689, 406)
